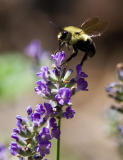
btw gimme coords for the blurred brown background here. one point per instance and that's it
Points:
(84, 137)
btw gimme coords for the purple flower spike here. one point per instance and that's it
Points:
(58, 58)
(35, 132)
(14, 148)
(33, 49)
(63, 96)
(69, 113)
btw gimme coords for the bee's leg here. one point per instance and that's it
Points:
(56, 51)
(84, 59)
(61, 45)
(68, 46)
(73, 55)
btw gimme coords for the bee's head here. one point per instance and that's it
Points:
(64, 36)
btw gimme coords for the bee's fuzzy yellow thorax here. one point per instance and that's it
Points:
(72, 29)
(85, 37)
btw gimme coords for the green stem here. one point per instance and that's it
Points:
(58, 141)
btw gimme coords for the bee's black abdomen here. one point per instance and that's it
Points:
(86, 46)
(92, 48)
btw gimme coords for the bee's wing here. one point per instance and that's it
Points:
(89, 22)
(94, 26)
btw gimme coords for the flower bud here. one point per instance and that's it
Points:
(53, 76)
(68, 74)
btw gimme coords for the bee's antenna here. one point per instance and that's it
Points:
(55, 25)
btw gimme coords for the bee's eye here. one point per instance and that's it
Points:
(65, 32)
(64, 35)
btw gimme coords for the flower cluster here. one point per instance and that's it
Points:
(32, 137)
(34, 133)
(33, 49)
(56, 84)
(36, 52)
(115, 91)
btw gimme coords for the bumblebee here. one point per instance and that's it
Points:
(81, 38)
